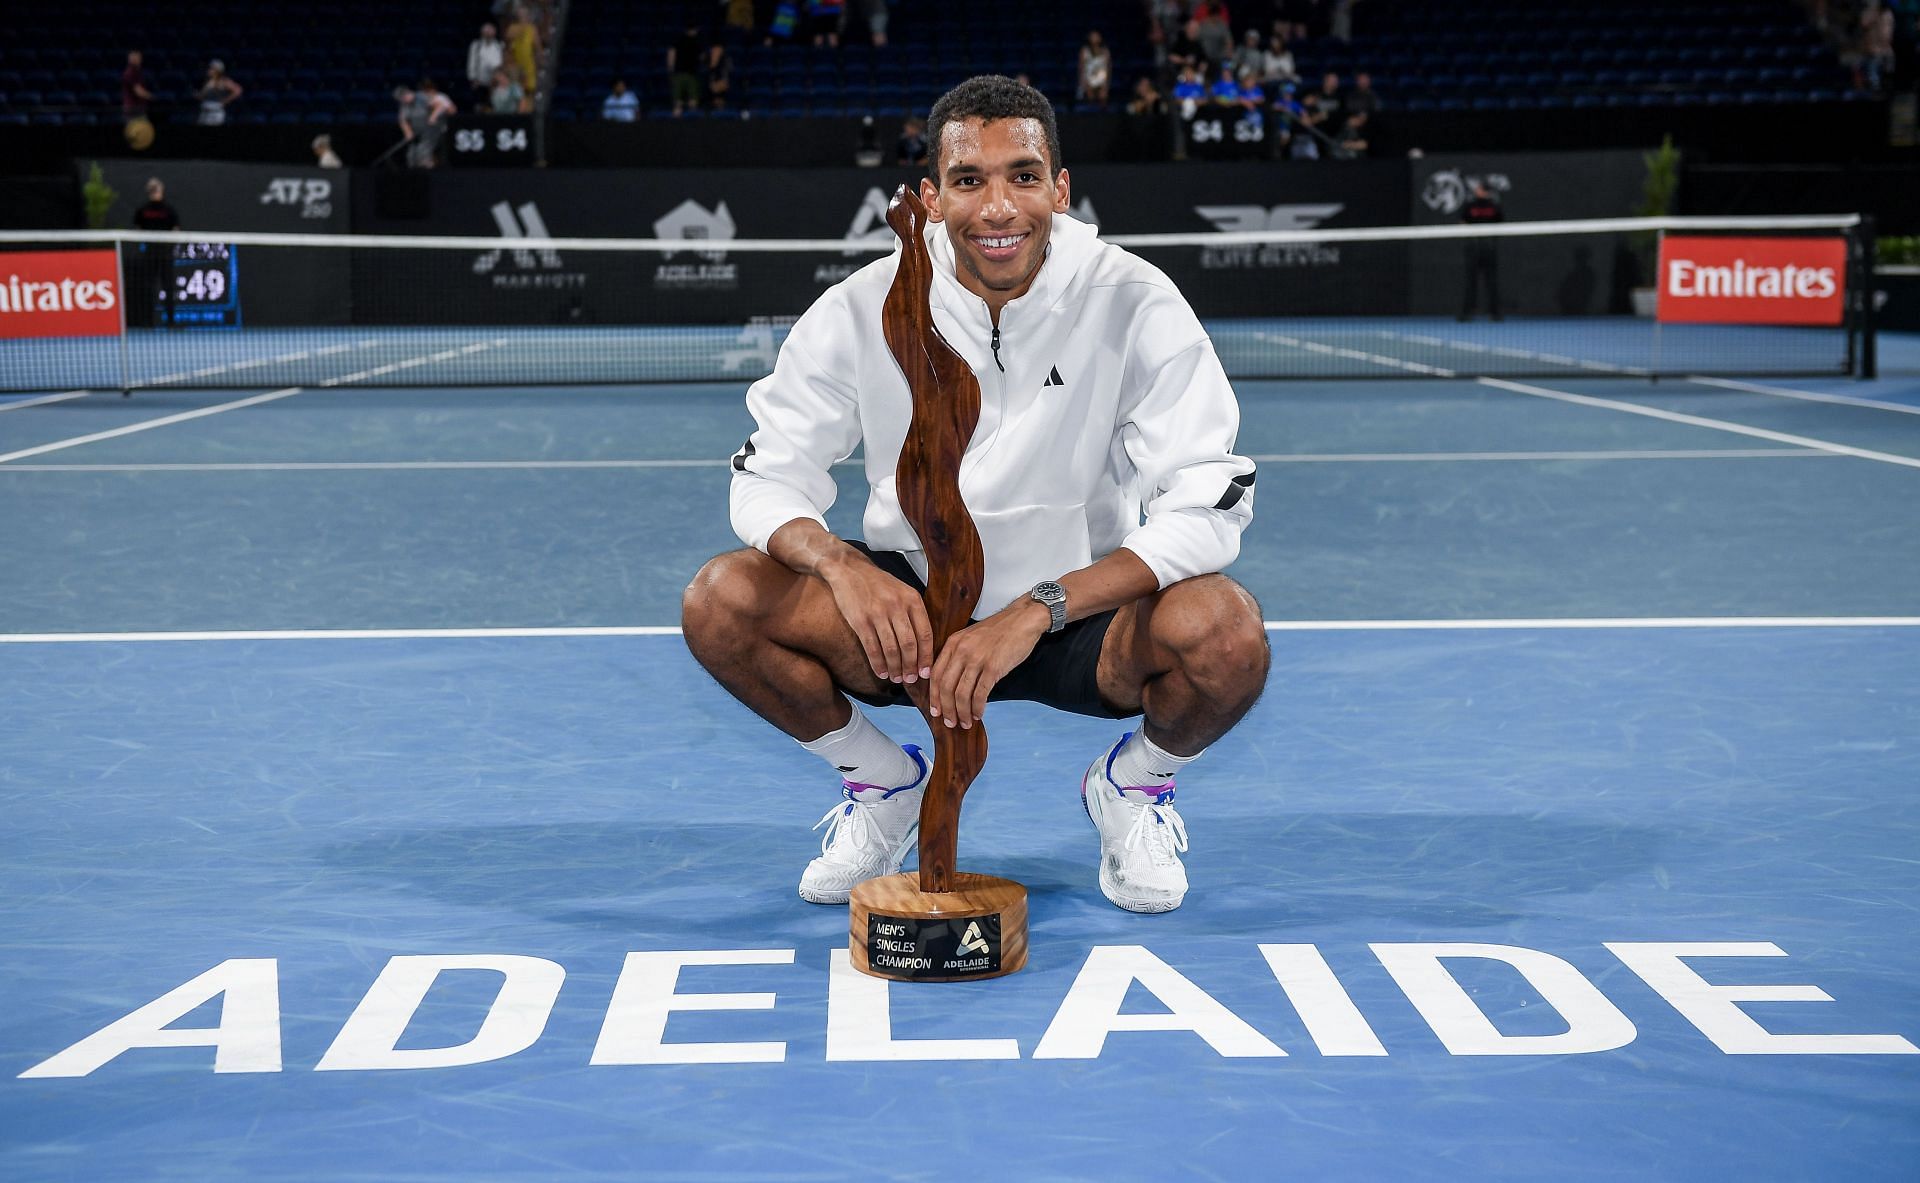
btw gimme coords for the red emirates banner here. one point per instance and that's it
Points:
(1773, 281)
(59, 294)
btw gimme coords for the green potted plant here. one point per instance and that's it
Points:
(96, 198)
(1656, 201)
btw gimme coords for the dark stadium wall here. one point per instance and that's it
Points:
(1576, 275)
(264, 198)
(708, 284)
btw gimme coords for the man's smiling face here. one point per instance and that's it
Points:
(997, 196)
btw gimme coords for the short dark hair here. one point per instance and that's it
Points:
(988, 97)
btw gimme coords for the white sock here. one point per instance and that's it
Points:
(1141, 762)
(863, 754)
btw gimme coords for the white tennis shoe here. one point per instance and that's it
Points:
(1141, 837)
(868, 834)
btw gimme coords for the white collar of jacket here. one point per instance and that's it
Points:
(1071, 244)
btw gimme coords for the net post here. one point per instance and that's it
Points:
(1865, 363)
(120, 281)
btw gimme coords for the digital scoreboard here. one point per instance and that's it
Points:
(203, 286)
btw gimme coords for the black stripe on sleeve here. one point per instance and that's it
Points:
(740, 457)
(1235, 491)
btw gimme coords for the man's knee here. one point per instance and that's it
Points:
(726, 597)
(1213, 628)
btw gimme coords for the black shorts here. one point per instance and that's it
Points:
(1063, 671)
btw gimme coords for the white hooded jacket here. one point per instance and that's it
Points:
(1104, 399)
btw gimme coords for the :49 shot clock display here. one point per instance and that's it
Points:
(203, 288)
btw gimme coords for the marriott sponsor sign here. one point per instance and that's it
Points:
(1792, 281)
(59, 294)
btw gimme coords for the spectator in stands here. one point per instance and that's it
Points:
(1340, 20)
(216, 94)
(1276, 63)
(911, 147)
(718, 76)
(740, 19)
(824, 18)
(1482, 209)
(505, 97)
(1333, 110)
(147, 270)
(1186, 51)
(134, 92)
(1147, 99)
(1362, 99)
(485, 54)
(683, 66)
(1876, 47)
(1096, 70)
(1253, 100)
(784, 23)
(424, 112)
(875, 14)
(323, 153)
(1215, 33)
(1307, 121)
(1225, 91)
(523, 49)
(621, 105)
(1249, 56)
(1190, 92)
(1353, 137)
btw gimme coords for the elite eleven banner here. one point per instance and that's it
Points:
(59, 294)
(1788, 281)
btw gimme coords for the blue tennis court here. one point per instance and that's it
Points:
(367, 818)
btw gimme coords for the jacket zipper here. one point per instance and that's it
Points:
(996, 350)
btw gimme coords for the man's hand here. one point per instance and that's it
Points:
(978, 656)
(886, 615)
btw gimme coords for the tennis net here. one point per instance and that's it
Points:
(132, 311)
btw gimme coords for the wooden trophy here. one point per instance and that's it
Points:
(943, 925)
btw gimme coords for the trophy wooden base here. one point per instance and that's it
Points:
(977, 930)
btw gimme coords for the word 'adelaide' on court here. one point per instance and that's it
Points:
(247, 1037)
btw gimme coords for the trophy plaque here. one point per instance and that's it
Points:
(941, 925)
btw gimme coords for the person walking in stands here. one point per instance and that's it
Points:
(1103, 482)
(216, 94)
(523, 49)
(683, 70)
(134, 92)
(717, 71)
(1483, 258)
(149, 261)
(485, 54)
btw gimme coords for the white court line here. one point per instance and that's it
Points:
(1845, 400)
(42, 400)
(1779, 437)
(149, 424)
(297, 355)
(388, 465)
(1477, 457)
(1290, 458)
(423, 359)
(1280, 626)
(1507, 351)
(1377, 359)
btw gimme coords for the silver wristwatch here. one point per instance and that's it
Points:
(1055, 598)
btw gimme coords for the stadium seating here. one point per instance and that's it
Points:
(338, 63)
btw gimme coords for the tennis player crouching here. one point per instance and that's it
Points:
(1101, 398)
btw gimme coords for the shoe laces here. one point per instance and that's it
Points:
(849, 821)
(1159, 828)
